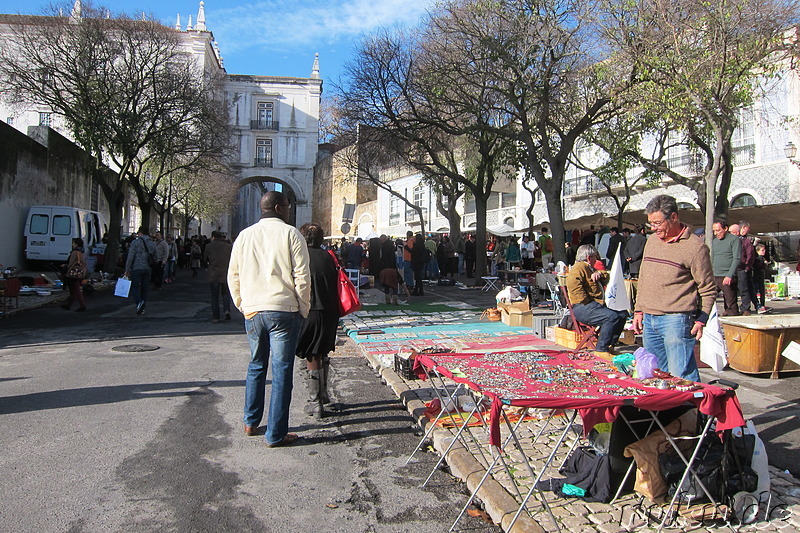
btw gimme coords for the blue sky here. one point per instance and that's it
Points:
(276, 37)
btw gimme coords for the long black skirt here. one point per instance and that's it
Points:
(318, 336)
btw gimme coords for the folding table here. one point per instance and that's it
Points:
(490, 283)
(572, 381)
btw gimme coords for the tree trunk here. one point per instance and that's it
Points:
(480, 237)
(553, 198)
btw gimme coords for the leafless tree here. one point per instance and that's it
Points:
(547, 72)
(126, 88)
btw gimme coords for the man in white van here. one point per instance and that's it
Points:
(141, 258)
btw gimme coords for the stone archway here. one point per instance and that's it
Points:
(247, 211)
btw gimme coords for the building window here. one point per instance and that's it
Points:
(743, 140)
(493, 202)
(394, 211)
(469, 205)
(264, 117)
(263, 153)
(44, 119)
(744, 200)
(10, 121)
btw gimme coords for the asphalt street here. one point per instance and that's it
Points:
(96, 439)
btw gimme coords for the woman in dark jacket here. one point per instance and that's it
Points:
(318, 336)
(418, 263)
(75, 284)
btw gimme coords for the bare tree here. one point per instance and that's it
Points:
(123, 87)
(401, 86)
(547, 71)
(700, 64)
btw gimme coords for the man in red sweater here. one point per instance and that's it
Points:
(676, 268)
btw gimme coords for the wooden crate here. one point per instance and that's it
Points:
(567, 338)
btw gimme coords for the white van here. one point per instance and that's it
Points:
(49, 231)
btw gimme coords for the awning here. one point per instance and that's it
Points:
(501, 230)
(763, 218)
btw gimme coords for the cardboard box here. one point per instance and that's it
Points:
(550, 333)
(516, 314)
(627, 337)
(567, 338)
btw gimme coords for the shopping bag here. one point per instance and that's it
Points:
(348, 293)
(123, 287)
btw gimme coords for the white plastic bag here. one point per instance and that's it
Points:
(759, 463)
(123, 287)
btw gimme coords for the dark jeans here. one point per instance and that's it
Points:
(158, 274)
(759, 290)
(731, 308)
(216, 288)
(746, 289)
(469, 263)
(611, 322)
(140, 281)
(418, 279)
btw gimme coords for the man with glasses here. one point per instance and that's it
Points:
(676, 268)
(270, 283)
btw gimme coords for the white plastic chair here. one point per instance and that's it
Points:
(354, 274)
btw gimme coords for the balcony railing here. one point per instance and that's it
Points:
(264, 125)
(263, 162)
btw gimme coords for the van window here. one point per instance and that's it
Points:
(62, 225)
(40, 224)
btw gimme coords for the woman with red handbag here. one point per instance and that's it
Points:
(318, 336)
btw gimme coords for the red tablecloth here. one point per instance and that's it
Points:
(569, 380)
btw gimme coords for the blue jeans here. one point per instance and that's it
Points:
(408, 274)
(669, 338)
(611, 322)
(226, 298)
(276, 332)
(140, 281)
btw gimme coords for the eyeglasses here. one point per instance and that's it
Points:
(656, 225)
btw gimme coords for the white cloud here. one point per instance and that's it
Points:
(287, 24)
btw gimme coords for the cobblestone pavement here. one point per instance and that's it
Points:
(501, 495)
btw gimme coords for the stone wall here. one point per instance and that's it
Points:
(42, 169)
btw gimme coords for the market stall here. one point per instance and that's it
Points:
(590, 386)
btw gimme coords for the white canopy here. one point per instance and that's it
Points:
(501, 230)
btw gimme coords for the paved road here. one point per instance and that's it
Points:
(99, 440)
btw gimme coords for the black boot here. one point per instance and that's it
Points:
(324, 397)
(314, 405)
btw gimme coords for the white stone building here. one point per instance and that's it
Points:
(275, 126)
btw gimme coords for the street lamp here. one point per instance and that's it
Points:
(790, 150)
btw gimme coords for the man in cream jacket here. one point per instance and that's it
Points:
(270, 284)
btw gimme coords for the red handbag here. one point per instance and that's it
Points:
(348, 293)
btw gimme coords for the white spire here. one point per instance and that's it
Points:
(315, 68)
(189, 26)
(75, 15)
(178, 23)
(201, 17)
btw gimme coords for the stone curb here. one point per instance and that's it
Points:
(498, 503)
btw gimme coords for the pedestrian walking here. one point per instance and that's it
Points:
(726, 253)
(139, 267)
(75, 273)
(318, 336)
(270, 284)
(676, 270)
(218, 255)
(418, 263)
(162, 256)
(195, 256)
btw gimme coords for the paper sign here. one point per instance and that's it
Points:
(616, 297)
(792, 352)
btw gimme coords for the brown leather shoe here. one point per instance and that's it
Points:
(285, 441)
(251, 431)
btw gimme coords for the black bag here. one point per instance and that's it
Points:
(723, 467)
